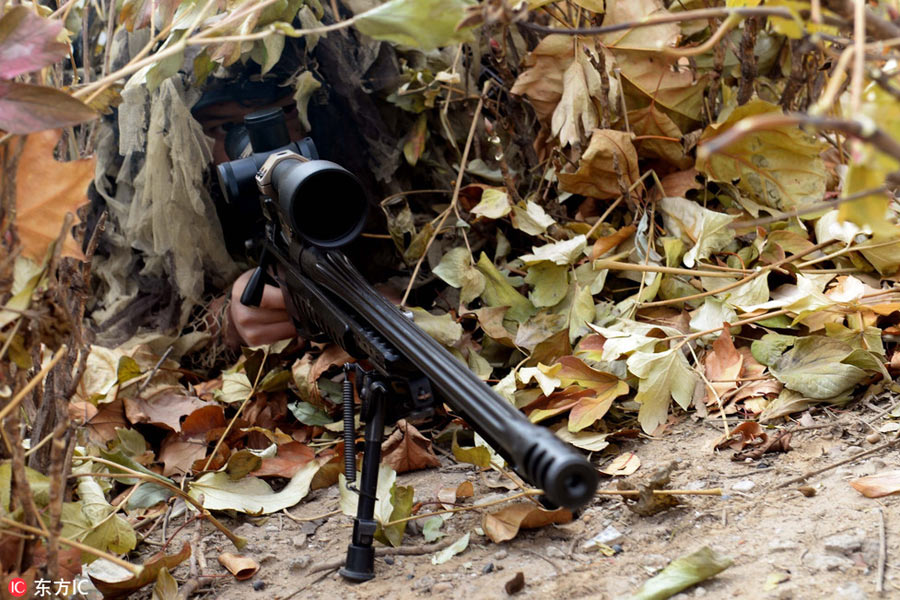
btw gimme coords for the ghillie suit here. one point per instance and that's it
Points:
(162, 258)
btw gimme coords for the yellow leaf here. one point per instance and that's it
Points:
(45, 191)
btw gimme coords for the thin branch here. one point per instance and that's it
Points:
(864, 129)
(688, 15)
(238, 541)
(32, 383)
(455, 199)
(136, 569)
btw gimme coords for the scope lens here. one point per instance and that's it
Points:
(326, 203)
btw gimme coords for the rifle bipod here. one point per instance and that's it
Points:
(360, 564)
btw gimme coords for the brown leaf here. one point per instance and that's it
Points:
(45, 191)
(28, 42)
(596, 175)
(648, 503)
(607, 243)
(781, 442)
(505, 523)
(101, 423)
(622, 465)
(639, 38)
(289, 459)
(680, 183)
(165, 408)
(242, 567)
(122, 588)
(178, 453)
(723, 363)
(657, 136)
(542, 80)
(333, 355)
(490, 319)
(449, 495)
(408, 450)
(878, 485)
(746, 434)
(26, 108)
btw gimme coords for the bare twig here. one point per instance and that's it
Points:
(4, 412)
(136, 569)
(455, 199)
(839, 463)
(238, 541)
(679, 17)
(859, 128)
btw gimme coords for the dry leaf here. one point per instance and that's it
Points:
(408, 450)
(622, 465)
(723, 363)
(165, 408)
(607, 243)
(28, 42)
(596, 175)
(449, 495)
(116, 582)
(505, 523)
(46, 190)
(289, 459)
(878, 485)
(242, 567)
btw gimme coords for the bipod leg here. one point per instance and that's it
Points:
(360, 564)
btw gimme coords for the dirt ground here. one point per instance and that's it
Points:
(822, 546)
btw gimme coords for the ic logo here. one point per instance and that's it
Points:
(18, 587)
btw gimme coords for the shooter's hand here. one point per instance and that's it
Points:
(265, 324)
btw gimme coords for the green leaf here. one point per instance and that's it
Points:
(251, 495)
(431, 530)
(128, 369)
(451, 550)
(120, 458)
(779, 168)
(305, 85)
(708, 229)
(813, 367)
(424, 24)
(241, 463)
(770, 347)
(309, 414)
(456, 269)
(349, 500)
(550, 283)
(165, 588)
(662, 375)
(442, 328)
(682, 573)
(477, 455)
(498, 292)
(39, 483)
(402, 502)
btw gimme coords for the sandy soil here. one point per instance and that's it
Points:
(823, 546)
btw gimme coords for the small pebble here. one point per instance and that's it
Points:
(762, 465)
(410, 576)
(744, 485)
(617, 548)
(488, 568)
(259, 585)
(873, 438)
(500, 554)
(389, 560)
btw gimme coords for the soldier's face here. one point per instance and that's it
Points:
(217, 119)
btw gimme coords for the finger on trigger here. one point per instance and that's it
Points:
(272, 298)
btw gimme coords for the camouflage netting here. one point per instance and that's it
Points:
(162, 256)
